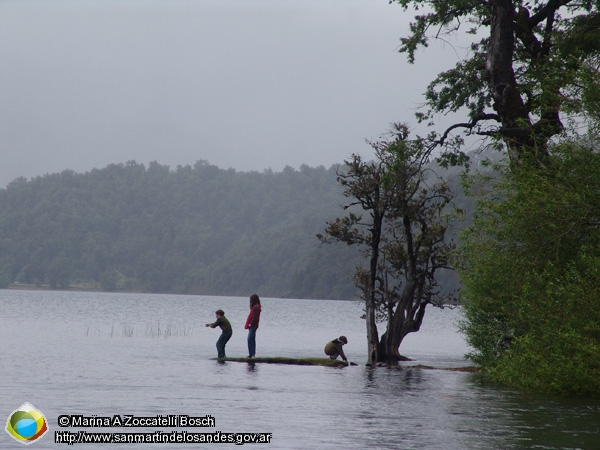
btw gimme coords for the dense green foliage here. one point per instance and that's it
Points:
(530, 73)
(531, 270)
(195, 229)
(529, 82)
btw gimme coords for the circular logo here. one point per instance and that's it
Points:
(26, 424)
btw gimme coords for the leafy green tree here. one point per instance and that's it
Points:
(530, 268)
(532, 69)
(402, 238)
(5, 275)
(32, 273)
(59, 272)
(109, 280)
(530, 81)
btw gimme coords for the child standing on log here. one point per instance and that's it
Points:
(252, 324)
(226, 333)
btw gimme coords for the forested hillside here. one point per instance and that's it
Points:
(192, 230)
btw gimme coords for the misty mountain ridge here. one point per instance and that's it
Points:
(192, 230)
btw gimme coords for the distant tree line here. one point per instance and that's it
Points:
(193, 230)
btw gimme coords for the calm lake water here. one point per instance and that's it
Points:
(100, 355)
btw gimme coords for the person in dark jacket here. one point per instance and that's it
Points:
(226, 332)
(252, 324)
(333, 349)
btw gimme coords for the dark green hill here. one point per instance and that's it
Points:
(199, 229)
(193, 230)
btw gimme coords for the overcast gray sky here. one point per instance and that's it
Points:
(247, 84)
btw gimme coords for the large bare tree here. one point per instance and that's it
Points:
(397, 217)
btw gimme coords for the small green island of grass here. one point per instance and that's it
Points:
(332, 363)
(291, 361)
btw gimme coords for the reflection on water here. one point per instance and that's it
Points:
(106, 354)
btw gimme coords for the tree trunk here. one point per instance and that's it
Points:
(508, 103)
(372, 336)
(404, 321)
(389, 350)
(370, 305)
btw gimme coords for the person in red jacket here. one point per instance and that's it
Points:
(252, 324)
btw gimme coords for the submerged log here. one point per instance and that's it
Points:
(451, 369)
(292, 361)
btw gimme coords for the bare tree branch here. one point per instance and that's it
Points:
(470, 125)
